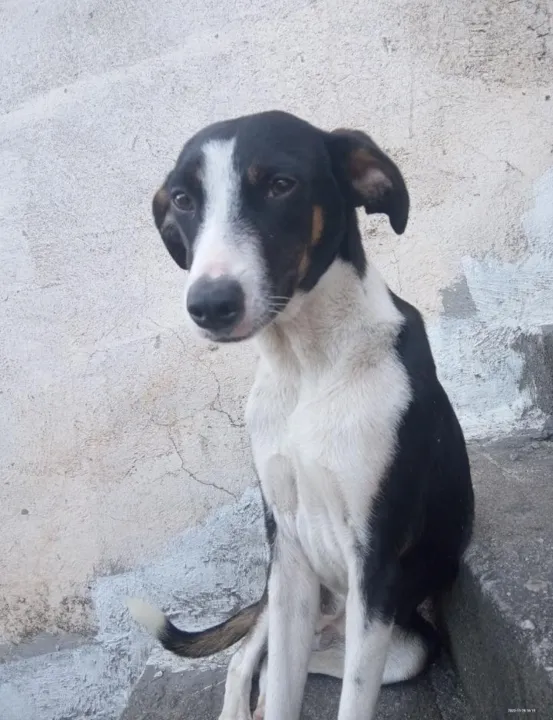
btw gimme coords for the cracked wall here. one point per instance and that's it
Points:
(118, 430)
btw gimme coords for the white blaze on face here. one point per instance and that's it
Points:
(224, 244)
(215, 246)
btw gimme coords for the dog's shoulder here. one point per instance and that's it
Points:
(429, 434)
(412, 346)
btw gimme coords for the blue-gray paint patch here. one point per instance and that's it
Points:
(457, 301)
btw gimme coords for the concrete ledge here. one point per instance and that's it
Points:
(198, 695)
(501, 614)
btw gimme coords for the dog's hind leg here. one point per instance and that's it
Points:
(259, 713)
(241, 670)
(406, 657)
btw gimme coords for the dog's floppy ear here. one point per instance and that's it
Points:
(169, 232)
(369, 177)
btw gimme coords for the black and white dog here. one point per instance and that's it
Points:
(360, 457)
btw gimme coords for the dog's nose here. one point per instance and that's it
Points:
(216, 303)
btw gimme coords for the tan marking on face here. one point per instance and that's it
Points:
(253, 173)
(317, 224)
(405, 547)
(160, 206)
(408, 544)
(162, 196)
(303, 265)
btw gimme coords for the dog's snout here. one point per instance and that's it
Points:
(216, 303)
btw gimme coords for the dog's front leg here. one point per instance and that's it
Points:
(368, 634)
(294, 594)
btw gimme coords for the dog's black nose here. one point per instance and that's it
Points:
(216, 303)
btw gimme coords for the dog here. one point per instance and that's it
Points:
(361, 460)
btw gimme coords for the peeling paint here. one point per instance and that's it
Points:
(537, 372)
(457, 301)
(489, 358)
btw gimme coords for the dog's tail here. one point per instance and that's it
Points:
(195, 644)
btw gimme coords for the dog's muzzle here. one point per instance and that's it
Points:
(216, 304)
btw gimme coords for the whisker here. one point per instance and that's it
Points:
(276, 307)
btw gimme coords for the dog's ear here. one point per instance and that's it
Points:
(168, 230)
(368, 176)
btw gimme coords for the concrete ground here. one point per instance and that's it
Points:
(199, 695)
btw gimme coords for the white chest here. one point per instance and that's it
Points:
(321, 446)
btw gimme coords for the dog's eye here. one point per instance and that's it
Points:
(280, 186)
(183, 202)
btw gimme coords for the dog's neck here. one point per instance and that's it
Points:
(342, 316)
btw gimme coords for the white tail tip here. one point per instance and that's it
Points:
(150, 617)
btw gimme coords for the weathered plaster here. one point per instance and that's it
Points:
(199, 577)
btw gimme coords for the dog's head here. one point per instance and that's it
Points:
(257, 208)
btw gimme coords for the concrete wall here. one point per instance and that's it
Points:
(117, 430)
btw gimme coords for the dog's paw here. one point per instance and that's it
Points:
(259, 712)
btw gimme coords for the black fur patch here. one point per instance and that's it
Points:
(422, 520)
